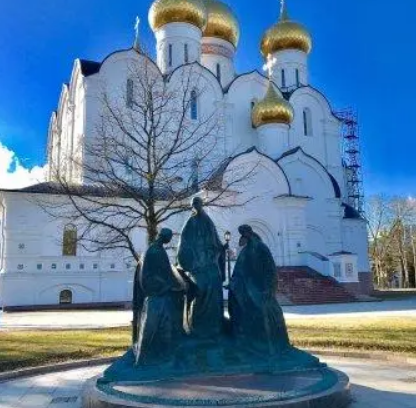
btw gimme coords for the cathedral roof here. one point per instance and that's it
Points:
(109, 190)
(337, 189)
(342, 253)
(89, 67)
(218, 175)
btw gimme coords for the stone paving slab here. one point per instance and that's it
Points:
(117, 318)
(374, 385)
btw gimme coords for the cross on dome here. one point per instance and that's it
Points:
(284, 15)
(270, 64)
(137, 33)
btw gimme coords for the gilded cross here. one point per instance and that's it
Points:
(137, 31)
(271, 62)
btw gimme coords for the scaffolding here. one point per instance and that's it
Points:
(352, 158)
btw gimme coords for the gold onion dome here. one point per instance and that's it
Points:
(177, 11)
(222, 22)
(272, 109)
(286, 35)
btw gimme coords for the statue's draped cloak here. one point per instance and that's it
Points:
(256, 317)
(160, 318)
(198, 255)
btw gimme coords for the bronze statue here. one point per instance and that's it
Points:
(198, 255)
(137, 303)
(254, 340)
(256, 317)
(161, 318)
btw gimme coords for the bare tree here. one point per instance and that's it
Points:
(152, 149)
(404, 218)
(381, 228)
(391, 223)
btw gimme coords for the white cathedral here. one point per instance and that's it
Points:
(281, 123)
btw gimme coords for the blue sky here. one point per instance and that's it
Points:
(364, 56)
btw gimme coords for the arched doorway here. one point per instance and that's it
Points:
(65, 297)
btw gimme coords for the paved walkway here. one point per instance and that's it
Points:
(105, 318)
(374, 385)
(402, 308)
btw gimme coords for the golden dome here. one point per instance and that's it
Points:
(177, 11)
(272, 109)
(286, 35)
(222, 23)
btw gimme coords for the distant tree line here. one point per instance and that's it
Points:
(392, 230)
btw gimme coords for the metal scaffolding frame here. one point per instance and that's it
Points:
(350, 130)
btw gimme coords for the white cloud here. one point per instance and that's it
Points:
(14, 175)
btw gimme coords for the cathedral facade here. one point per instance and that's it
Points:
(298, 197)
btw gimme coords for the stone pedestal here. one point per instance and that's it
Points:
(315, 388)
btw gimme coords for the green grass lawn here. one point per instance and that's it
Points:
(33, 348)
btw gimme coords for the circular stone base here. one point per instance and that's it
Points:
(296, 390)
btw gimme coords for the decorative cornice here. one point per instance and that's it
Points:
(217, 49)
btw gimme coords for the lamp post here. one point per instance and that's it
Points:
(227, 237)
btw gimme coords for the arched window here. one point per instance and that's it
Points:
(70, 238)
(130, 93)
(65, 297)
(252, 105)
(186, 53)
(297, 78)
(219, 72)
(307, 122)
(170, 55)
(195, 173)
(194, 105)
(283, 78)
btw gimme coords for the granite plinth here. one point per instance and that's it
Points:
(315, 388)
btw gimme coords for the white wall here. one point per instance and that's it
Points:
(355, 238)
(35, 271)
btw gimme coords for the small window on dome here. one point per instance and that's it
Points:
(130, 93)
(170, 55)
(252, 105)
(186, 52)
(219, 72)
(283, 78)
(194, 105)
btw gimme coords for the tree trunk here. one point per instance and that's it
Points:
(412, 240)
(404, 259)
(151, 225)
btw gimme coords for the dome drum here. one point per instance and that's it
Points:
(217, 46)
